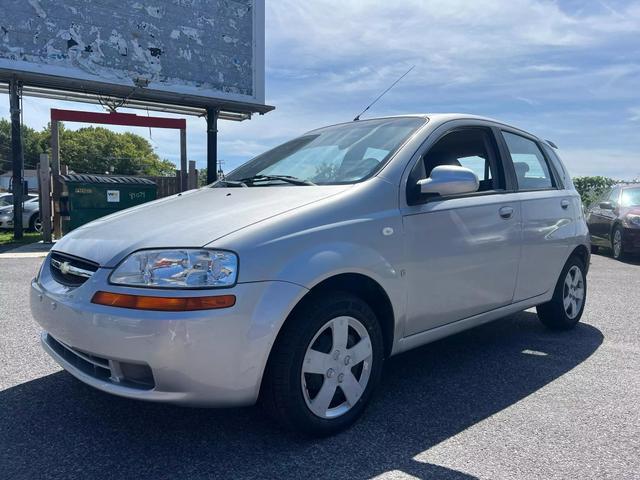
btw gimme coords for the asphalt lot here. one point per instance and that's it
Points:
(506, 400)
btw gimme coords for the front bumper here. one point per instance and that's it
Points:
(204, 358)
(631, 240)
(6, 221)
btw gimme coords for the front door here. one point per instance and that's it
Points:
(462, 252)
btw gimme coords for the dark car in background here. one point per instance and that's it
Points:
(614, 220)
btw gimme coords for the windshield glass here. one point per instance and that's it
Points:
(630, 197)
(341, 154)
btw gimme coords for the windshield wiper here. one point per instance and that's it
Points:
(284, 178)
(229, 183)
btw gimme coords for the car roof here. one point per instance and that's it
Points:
(441, 118)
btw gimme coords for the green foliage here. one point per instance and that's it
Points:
(89, 150)
(590, 188)
(32, 142)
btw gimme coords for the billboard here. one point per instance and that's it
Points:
(188, 52)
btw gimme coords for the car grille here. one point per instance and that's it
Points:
(132, 375)
(71, 271)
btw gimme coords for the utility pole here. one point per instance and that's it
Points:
(16, 154)
(212, 144)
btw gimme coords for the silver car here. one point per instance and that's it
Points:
(30, 213)
(292, 280)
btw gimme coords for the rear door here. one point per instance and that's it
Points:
(549, 213)
(462, 251)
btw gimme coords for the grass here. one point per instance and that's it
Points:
(6, 238)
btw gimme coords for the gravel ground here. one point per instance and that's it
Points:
(505, 400)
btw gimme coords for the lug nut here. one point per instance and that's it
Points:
(340, 377)
(330, 373)
(347, 359)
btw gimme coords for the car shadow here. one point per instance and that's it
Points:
(629, 259)
(56, 427)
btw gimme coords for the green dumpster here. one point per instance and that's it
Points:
(87, 197)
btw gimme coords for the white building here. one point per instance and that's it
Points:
(30, 176)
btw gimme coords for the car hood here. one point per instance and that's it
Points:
(191, 219)
(633, 210)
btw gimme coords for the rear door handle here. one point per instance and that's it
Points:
(564, 203)
(506, 212)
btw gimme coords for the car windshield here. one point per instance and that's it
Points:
(630, 197)
(341, 154)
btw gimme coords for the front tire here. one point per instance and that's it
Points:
(616, 243)
(325, 365)
(565, 308)
(35, 224)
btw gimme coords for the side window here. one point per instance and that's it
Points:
(472, 148)
(614, 196)
(529, 163)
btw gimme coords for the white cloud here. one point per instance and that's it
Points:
(615, 163)
(569, 74)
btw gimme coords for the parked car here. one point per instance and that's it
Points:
(614, 220)
(293, 279)
(30, 215)
(6, 199)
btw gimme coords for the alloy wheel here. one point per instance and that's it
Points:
(336, 367)
(617, 243)
(573, 292)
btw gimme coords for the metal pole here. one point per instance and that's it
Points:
(183, 160)
(44, 177)
(56, 187)
(16, 153)
(212, 144)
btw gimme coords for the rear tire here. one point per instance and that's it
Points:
(565, 308)
(325, 365)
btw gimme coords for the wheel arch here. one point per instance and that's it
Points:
(362, 286)
(583, 253)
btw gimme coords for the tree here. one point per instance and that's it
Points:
(99, 150)
(88, 150)
(591, 188)
(32, 146)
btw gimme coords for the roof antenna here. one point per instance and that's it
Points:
(382, 94)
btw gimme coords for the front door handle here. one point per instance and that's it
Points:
(564, 203)
(506, 212)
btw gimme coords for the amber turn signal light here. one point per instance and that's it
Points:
(165, 304)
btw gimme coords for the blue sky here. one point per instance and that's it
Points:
(565, 70)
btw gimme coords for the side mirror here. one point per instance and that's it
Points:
(450, 180)
(607, 206)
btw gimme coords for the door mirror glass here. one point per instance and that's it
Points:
(449, 180)
(606, 206)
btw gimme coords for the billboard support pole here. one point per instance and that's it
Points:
(17, 158)
(212, 144)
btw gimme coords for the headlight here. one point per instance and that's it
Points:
(178, 268)
(633, 219)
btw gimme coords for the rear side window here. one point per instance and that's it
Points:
(529, 163)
